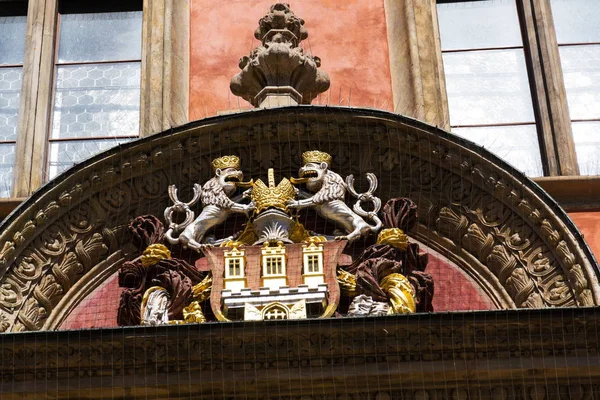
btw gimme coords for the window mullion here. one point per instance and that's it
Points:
(36, 95)
(548, 89)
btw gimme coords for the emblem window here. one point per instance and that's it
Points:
(234, 267)
(275, 312)
(274, 265)
(312, 263)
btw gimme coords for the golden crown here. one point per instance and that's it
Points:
(316, 156)
(272, 196)
(226, 162)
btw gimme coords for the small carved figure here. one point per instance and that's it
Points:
(329, 191)
(215, 196)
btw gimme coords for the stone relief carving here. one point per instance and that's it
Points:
(328, 199)
(217, 205)
(537, 240)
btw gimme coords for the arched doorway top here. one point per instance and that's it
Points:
(477, 210)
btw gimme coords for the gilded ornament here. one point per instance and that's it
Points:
(298, 233)
(277, 197)
(394, 237)
(347, 282)
(400, 292)
(226, 162)
(232, 243)
(201, 291)
(316, 156)
(315, 239)
(193, 313)
(154, 253)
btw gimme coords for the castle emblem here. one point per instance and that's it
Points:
(272, 267)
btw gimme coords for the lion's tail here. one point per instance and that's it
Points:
(370, 215)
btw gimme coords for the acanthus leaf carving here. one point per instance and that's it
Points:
(31, 317)
(451, 222)
(48, 292)
(501, 262)
(10, 295)
(90, 250)
(519, 286)
(478, 242)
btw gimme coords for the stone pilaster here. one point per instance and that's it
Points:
(418, 83)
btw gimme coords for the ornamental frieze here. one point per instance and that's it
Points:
(487, 218)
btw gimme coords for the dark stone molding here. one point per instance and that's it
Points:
(510, 235)
(508, 354)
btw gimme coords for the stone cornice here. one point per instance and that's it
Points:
(474, 352)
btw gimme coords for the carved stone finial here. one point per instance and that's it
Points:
(278, 72)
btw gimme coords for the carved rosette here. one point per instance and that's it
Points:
(279, 66)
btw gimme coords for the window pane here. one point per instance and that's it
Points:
(587, 146)
(10, 94)
(7, 161)
(65, 154)
(97, 100)
(581, 68)
(488, 87)
(517, 145)
(12, 39)
(100, 37)
(576, 21)
(479, 24)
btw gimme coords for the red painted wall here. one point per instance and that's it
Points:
(349, 36)
(589, 225)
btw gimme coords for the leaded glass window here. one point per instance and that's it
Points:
(578, 36)
(489, 95)
(12, 51)
(97, 85)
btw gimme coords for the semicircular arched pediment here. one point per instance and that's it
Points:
(499, 226)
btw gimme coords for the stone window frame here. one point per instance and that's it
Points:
(164, 82)
(13, 9)
(547, 86)
(274, 265)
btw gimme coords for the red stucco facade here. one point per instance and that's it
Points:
(349, 36)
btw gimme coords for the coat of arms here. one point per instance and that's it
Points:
(273, 267)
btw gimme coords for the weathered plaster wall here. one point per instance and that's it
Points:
(589, 224)
(349, 36)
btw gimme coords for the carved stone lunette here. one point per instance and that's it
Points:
(489, 219)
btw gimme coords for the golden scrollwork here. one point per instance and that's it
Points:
(298, 233)
(232, 243)
(201, 291)
(394, 237)
(401, 293)
(154, 253)
(272, 196)
(193, 313)
(347, 282)
(226, 162)
(315, 156)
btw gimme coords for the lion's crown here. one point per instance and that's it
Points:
(316, 156)
(226, 162)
